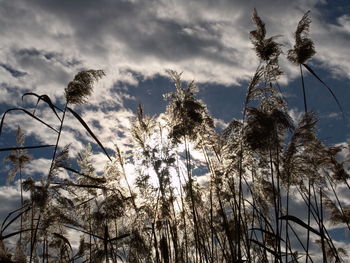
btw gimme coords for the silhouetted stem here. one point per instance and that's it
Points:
(322, 230)
(195, 223)
(303, 88)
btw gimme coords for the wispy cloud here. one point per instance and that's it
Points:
(207, 40)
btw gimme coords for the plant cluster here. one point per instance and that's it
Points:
(257, 171)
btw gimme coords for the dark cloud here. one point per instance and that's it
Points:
(207, 39)
(49, 56)
(14, 72)
(138, 27)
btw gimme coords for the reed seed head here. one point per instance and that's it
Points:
(265, 48)
(80, 88)
(304, 46)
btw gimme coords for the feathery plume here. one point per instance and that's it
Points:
(265, 48)
(304, 46)
(80, 88)
(19, 157)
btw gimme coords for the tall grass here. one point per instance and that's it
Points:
(257, 170)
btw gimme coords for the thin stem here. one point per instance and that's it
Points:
(188, 162)
(275, 197)
(322, 230)
(20, 179)
(303, 87)
(308, 218)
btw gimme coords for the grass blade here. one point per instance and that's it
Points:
(26, 112)
(119, 237)
(64, 239)
(329, 89)
(83, 231)
(8, 216)
(268, 233)
(76, 115)
(15, 233)
(81, 185)
(26, 147)
(301, 223)
(13, 219)
(46, 99)
(98, 180)
(265, 247)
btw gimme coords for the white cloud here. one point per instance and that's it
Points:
(207, 40)
(295, 114)
(40, 166)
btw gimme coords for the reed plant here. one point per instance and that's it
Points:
(256, 171)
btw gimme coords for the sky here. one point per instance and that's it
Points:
(44, 43)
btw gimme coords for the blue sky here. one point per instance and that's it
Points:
(44, 43)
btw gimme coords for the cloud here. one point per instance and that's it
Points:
(10, 197)
(333, 54)
(38, 167)
(295, 114)
(15, 73)
(207, 40)
(49, 43)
